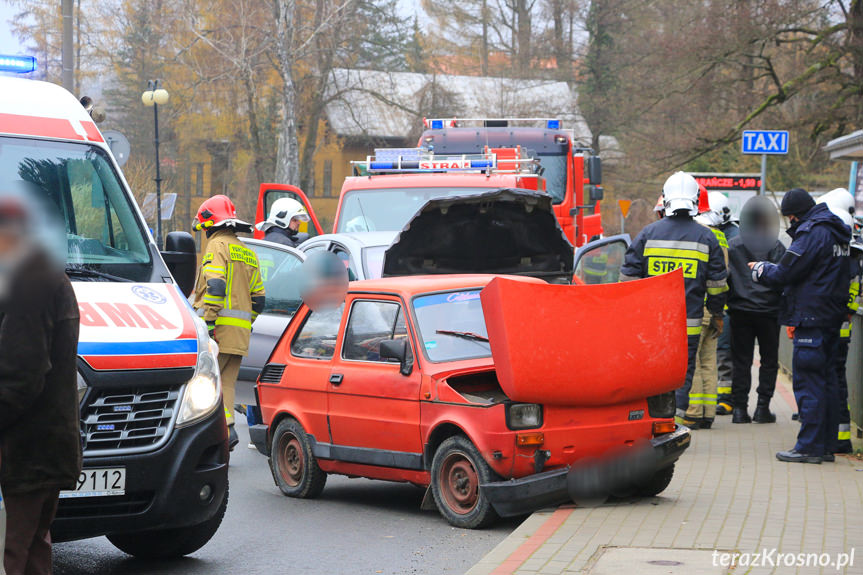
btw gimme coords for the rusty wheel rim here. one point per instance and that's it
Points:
(459, 483)
(291, 459)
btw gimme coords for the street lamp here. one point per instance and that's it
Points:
(155, 97)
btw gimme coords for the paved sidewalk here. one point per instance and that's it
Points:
(729, 493)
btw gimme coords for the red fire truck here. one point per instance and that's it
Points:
(389, 187)
(573, 176)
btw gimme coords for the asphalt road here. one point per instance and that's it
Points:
(357, 527)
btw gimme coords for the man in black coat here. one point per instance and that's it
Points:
(39, 421)
(754, 309)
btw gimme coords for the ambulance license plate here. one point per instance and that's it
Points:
(98, 483)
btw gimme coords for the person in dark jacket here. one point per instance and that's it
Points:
(283, 224)
(39, 420)
(677, 241)
(754, 309)
(815, 275)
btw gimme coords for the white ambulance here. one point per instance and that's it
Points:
(155, 477)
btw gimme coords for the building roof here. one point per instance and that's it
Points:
(391, 105)
(847, 147)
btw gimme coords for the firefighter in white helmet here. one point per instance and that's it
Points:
(678, 242)
(841, 202)
(282, 226)
(724, 222)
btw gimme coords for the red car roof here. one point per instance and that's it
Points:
(409, 286)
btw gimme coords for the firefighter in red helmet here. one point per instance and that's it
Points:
(229, 293)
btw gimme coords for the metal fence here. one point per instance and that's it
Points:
(854, 370)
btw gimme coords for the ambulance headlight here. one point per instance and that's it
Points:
(203, 393)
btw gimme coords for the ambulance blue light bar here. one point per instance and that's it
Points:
(17, 64)
(553, 124)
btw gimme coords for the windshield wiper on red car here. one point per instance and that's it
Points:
(465, 334)
(87, 272)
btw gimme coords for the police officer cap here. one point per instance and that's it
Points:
(796, 202)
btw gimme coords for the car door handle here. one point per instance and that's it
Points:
(336, 378)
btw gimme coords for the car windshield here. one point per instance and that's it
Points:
(554, 172)
(79, 185)
(373, 261)
(390, 209)
(451, 325)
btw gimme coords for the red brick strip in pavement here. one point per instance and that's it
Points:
(534, 542)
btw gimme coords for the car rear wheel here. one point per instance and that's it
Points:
(295, 468)
(457, 472)
(657, 482)
(170, 543)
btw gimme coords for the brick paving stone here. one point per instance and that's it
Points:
(729, 492)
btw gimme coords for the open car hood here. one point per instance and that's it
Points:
(499, 232)
(587, 345)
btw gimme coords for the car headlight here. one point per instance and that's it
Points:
(662, 405)
(203, 393)
(523, 415)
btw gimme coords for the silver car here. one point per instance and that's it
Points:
(281, 272)
(362, 252)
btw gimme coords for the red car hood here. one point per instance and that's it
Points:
(587, 344)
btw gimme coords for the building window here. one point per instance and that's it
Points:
(328, 178)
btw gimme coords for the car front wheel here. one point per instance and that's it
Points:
(457, 472)
(295, 468)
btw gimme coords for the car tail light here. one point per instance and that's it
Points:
(663, 427)
(661, 406)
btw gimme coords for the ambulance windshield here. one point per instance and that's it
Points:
(82, 190)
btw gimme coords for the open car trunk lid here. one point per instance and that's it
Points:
(587, 345)
(504, 231)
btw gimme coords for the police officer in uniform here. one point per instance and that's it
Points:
(814, 272)
(678, 242)
(229, 293)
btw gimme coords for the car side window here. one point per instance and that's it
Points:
(346, 259)
(370, 324)
(281, 274)
(601, 264)
(317, 338)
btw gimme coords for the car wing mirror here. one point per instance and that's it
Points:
(181, 259)
(397, 349)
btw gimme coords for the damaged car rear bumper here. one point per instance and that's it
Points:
(589, 480)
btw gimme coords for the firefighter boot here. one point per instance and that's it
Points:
(740, 415)
(762, 412)
(233, 438)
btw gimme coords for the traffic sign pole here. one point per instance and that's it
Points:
(763, 175)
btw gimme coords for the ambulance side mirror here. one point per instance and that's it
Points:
(181, 259)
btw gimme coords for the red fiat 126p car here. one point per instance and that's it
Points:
(500, 394)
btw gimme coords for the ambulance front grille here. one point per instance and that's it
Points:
(134, 420)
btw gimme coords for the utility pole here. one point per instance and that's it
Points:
(68, 75)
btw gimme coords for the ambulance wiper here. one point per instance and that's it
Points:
(465, 334)
(87, 272)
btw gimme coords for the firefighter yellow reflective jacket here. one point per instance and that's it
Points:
(229, 292)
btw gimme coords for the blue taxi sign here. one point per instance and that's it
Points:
(773, 142)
